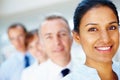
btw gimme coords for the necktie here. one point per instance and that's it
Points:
(65, 72)
(27, 63)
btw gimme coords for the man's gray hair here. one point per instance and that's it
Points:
(53, 17)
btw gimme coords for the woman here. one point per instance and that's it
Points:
(96, 29)
(33, 46)
(35, 49)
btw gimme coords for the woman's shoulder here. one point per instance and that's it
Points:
(116, 68)
(82, 72)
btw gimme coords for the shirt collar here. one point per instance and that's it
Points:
(19, 55)
(56, 67)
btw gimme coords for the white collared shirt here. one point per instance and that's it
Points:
(83, 72)
(31, 72)
(51, 71)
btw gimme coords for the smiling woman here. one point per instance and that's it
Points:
(96, 29)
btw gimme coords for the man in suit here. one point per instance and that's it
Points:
(56, 40)
(11, 69)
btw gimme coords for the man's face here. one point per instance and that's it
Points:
(17, 38)
(56, 39)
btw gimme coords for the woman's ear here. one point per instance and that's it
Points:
(76, 37)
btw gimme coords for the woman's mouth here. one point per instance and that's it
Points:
(104, 48)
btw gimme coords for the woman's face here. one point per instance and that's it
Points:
(34, 49)
(32, 46)
(98, 34)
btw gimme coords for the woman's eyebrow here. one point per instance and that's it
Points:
(91, 24)
(113, 22)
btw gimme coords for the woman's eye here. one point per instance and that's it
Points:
(112, 28)
(92, 29)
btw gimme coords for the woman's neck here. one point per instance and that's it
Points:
(104, 69)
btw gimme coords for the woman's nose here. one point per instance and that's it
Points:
(105, 36)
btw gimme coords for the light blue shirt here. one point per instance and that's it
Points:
(12, 68)
(83, 72)
(2, 58)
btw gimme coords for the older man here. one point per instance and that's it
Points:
(56, 40)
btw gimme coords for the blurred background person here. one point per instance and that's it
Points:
(56, 40)
(12, 68)
(35, 49)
